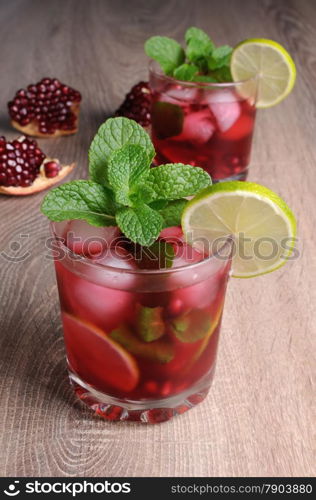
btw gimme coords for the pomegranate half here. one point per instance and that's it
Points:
(48, 108)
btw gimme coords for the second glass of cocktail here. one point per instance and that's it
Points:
(206, 124)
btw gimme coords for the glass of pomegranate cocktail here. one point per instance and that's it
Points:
(205, 124)
(204, 99)
(142, 272)
(141, 338)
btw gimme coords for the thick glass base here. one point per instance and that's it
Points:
(148, 411)
(242, 176)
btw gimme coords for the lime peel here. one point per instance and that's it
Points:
(243, 209)
(271, 63)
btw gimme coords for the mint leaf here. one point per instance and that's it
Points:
(149, 323)
(185, 72)
(160, 350)
(199, 47)
(158, 204)
(220, 57)
(167, 119)
(191, 326)
(111, 136)
(126, 168)
(85, 200)
(141, 224)
(197, 34)
(175, 180)
(166, 51)
(172, 213)
(223, 74)
(142, 192)
(205, 79)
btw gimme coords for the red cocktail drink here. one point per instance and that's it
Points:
(207, 125)
(141, 329)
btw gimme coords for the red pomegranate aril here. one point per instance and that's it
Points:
(39, 107)
(14, 168)
(24, 165)
(51, 168)
(137, 104)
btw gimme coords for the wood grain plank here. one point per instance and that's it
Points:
(258, 418)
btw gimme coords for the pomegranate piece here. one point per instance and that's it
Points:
(48, 108)
(137, 104)
(24, 168)
(52, 168)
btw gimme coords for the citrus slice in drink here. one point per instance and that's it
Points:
(271, 63)
(96, 358)
(261, 224)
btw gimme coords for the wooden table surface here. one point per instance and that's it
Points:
(257, 419)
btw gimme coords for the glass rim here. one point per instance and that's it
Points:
(156, 70)
(146, 272)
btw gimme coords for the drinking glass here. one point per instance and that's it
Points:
(141, 343)
(209, 125)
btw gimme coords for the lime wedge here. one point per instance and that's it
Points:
(271, 63)
(261, 223)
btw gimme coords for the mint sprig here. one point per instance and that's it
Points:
(201, 61)
(126, 168)
(124, 190)
(172, 212)
(186, 72)
(111, 136)
(141, 224)
(80, 200)
(175, 180)
(166, 51)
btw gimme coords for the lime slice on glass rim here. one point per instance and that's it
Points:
(260, 222)
(271, 63)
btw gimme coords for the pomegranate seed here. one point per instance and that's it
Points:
(51, 168)
(16, 168)
(38, 103)
(137, 104)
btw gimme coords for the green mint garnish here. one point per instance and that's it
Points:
(199, 47)
(191, 326)
(186, 72)
(201, 61)
(124, 190)
(127, 167)
(223, 74)
(141, 224)
(167, 119)
(160, 350)
(175, 180)
(166, 51)
(111, 136)
(172, 212)
(80, 200)
(220, 57)
(150, 324)
(205, 79)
